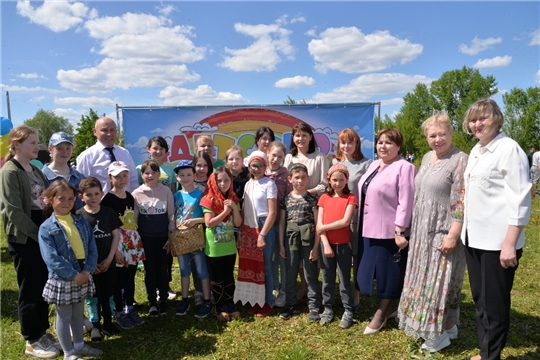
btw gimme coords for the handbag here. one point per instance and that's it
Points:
(186, 240)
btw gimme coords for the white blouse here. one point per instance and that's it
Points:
(497, 193)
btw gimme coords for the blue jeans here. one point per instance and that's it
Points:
(200, 263)
(268, 255)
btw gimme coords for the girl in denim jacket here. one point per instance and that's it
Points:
(69, 250)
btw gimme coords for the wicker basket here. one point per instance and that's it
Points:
(187, 240)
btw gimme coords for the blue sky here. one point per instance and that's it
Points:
(70, 56)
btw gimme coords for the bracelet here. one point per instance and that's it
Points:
(400, 233)
(263, 236)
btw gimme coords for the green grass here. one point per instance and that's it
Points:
(173, 337)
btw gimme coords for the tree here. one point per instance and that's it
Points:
(291, 101)
(47, 123)
(522, 116)
(85, 133)
(454, 92)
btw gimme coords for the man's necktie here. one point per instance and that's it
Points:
(111, 153)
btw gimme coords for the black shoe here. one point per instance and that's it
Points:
(110, 329)
(287, 312)
(163, 309)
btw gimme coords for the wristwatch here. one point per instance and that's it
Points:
(400, 233)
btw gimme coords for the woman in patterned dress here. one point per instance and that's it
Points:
(429, 305)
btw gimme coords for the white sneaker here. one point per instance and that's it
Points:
(87, 325)
(37, 350)
(453, 332)
(437, 344)
(198, 297)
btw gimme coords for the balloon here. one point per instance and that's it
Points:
(38, 163)
(4, 145)
(6, 125)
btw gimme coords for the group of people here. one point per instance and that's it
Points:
(285, 215)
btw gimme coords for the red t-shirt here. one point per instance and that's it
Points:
(334, 209)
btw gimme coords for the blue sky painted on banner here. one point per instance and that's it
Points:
(69, 56)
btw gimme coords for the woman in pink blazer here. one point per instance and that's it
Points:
(386, 201)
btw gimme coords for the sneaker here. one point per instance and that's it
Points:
(95, 335)
(110, 329)
(125, 322)
(183, 308)
(38, 351)
(73, 357)
(452, 332)
(163, 309)
(49, 340)
(231, 310)
(221, 314)
(137, 306)
(280, 300)
(88, 351)
(204, 310)
(135, 318)
(265, 311)
(346, 320)
(198, 297)
(153, 312)
(314, 315)
(288, 312)
(437, 344)
(326, 317)
(275, 294)
(171, 294)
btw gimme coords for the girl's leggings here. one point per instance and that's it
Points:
(124, 294)
(155, 269)
(69, 316)
(222, 278)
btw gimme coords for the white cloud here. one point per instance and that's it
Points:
(496, 62)
(199, 127)
(202, 95)
(478, 45)
(535, 37)
(88, 102)
(349, 50)
(311, 32)
(263, 54)
(154, 52)
(111, 74)
(368, 86)
(393, 101)
(298, 19)
(37, 99)
(295, 82)
(141, 143)
(537, 77)
(31, 76)
(55, 15)
(74, 116)
(27, 89)
(165, 10)
(157, 130)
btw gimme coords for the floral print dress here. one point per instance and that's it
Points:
(432, 289)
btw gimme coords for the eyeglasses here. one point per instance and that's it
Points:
(480, 120)
(397, 256)
(256, 167)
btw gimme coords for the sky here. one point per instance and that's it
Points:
(69, 56)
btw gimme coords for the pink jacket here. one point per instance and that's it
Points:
(389, 199)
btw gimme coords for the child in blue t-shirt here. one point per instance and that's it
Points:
(189, 213)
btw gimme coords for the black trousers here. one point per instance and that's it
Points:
(491, 285)
(32, 275)
(124, 293)
(222, 278)
(155, 268)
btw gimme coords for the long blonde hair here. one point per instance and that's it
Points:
(18, 134)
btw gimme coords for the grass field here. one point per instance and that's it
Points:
(173, 337)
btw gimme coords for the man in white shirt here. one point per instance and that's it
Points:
(95, 160)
